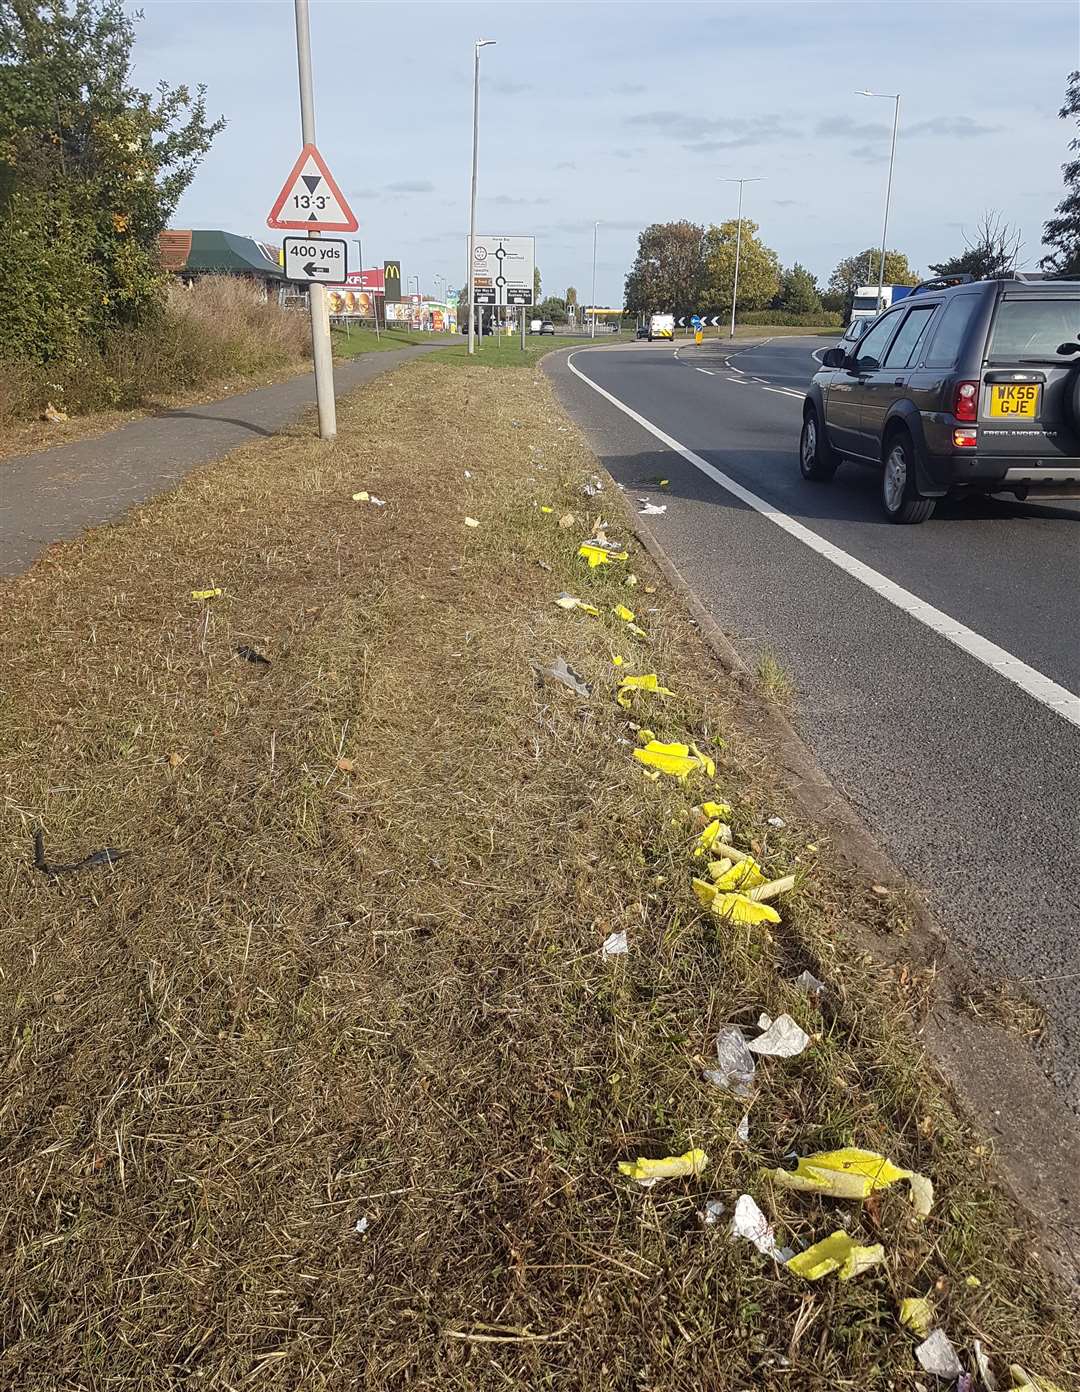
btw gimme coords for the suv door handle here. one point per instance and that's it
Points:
(898, 381)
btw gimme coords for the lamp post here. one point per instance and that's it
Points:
(893, 97)
(477, 46)
(592, 301)
(738, 245)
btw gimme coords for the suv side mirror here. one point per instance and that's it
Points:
(833, 357)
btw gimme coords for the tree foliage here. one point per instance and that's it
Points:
(759, 267)
(852, 271)
(553, 308)
(1062, 231)
(667, 274)
(571, 295)
(90, 166)
(799, 292)
(536, 285)
(989, 254)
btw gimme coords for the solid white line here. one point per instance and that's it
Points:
(784, 391)
(705, 370)
(1056, 698)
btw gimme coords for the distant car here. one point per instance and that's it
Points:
(547, 327)
(962, 388)
(642, 331)
(536, 326)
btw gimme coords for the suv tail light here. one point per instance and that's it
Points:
(966, 401)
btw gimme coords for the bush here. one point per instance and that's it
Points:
(219, 328)
(823, 320)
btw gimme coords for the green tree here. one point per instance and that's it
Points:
(536, 285)
(799, 293)
(666, 276)
(90, 165)
(862, 269)
(1062, 231)
(990, 254)
(554, 308)
(759, 267)
(571, 296)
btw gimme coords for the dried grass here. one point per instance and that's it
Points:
(312, 996)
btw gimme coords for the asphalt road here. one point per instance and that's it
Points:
(969, 782)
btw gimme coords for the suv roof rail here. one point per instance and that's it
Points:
(1027, 277)
(944, 282)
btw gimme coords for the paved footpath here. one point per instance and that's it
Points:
(55, 493)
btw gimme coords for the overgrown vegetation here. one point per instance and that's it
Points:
(91, 168)
(218, 330)
(325, 1085)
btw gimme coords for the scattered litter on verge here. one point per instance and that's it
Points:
(108, 856)
(738, 908)
(937, 1356)
(362, 1225)
(467, 474)
(631, 580)
(560, 672)
(809, 984)
(471, 522)
(621, 612)
(566, 521)
(253, 655)
(651, 510)
(708, 837)
(783, 1038)
(649, 682)
(368, 498)
(649, 1172)
(1026, 1382)
(594, 485)
(776, 822)
(750, 1223)
(917, 1314)
(205, 594)
(840, 1252)
(741, 875)
(615, 945)
(568, 601)
(600, 554)
(547, 509)
(677, 760)
(742, 1131)
(617, 661)
(713, 1210)
(735, 1063)
(854, 1174)
(662, 483)
(175, 760)
(53, 415)
(346, 766)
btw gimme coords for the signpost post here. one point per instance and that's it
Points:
(311, 202)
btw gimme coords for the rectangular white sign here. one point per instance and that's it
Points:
(503, 269)
(325, 259)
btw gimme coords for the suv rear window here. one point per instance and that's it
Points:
(1033, 328)
(945, 348)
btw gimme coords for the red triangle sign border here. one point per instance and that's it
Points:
(275, 219)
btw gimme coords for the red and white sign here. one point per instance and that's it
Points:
(310, 200)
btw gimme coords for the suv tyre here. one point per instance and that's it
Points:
(817, 459)
(900, 498)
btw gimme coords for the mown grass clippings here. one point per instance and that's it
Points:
(353, 969)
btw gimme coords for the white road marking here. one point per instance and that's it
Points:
(1034, 683)
(705, 370)
(784, 391)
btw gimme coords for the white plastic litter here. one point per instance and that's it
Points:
(735, 1070)
(595, 485)
(652, 510)
(560, 672)
(615, 945)
(783, 1038)
(809, 983)
(742, 1131)
(777, 822)
(467, 474)
(362, 1224)
(749, 1222)
(937, 1356)
(713, 1209)
(989, 1381)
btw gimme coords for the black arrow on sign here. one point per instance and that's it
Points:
(312, 270)
(312, 180)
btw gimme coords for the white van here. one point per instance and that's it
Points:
(661, 326)
(535, 325)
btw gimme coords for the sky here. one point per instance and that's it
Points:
(632, 114)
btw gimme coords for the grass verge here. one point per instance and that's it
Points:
(351, 342)
(325, 1085)
(505, 350)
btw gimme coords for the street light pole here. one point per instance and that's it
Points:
(320, 322)
(592, 301)
(893, 97)
(477, 46)
(738, 246)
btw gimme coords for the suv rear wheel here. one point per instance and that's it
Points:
(817, 459)
(899, 495)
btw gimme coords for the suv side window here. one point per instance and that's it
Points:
(871, 349)
(905, 345)
(952, 325)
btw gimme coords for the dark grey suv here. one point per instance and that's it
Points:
(961, 388)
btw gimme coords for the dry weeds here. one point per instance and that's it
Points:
(314, 996)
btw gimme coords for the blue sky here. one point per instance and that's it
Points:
(633, 113)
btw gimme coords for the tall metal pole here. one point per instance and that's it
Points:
(320, 319)
(888, 196)
(477, 46)
(592, 333)
(738, 250)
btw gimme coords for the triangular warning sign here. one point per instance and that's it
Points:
(310, 200)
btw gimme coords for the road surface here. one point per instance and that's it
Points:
(967, 773)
